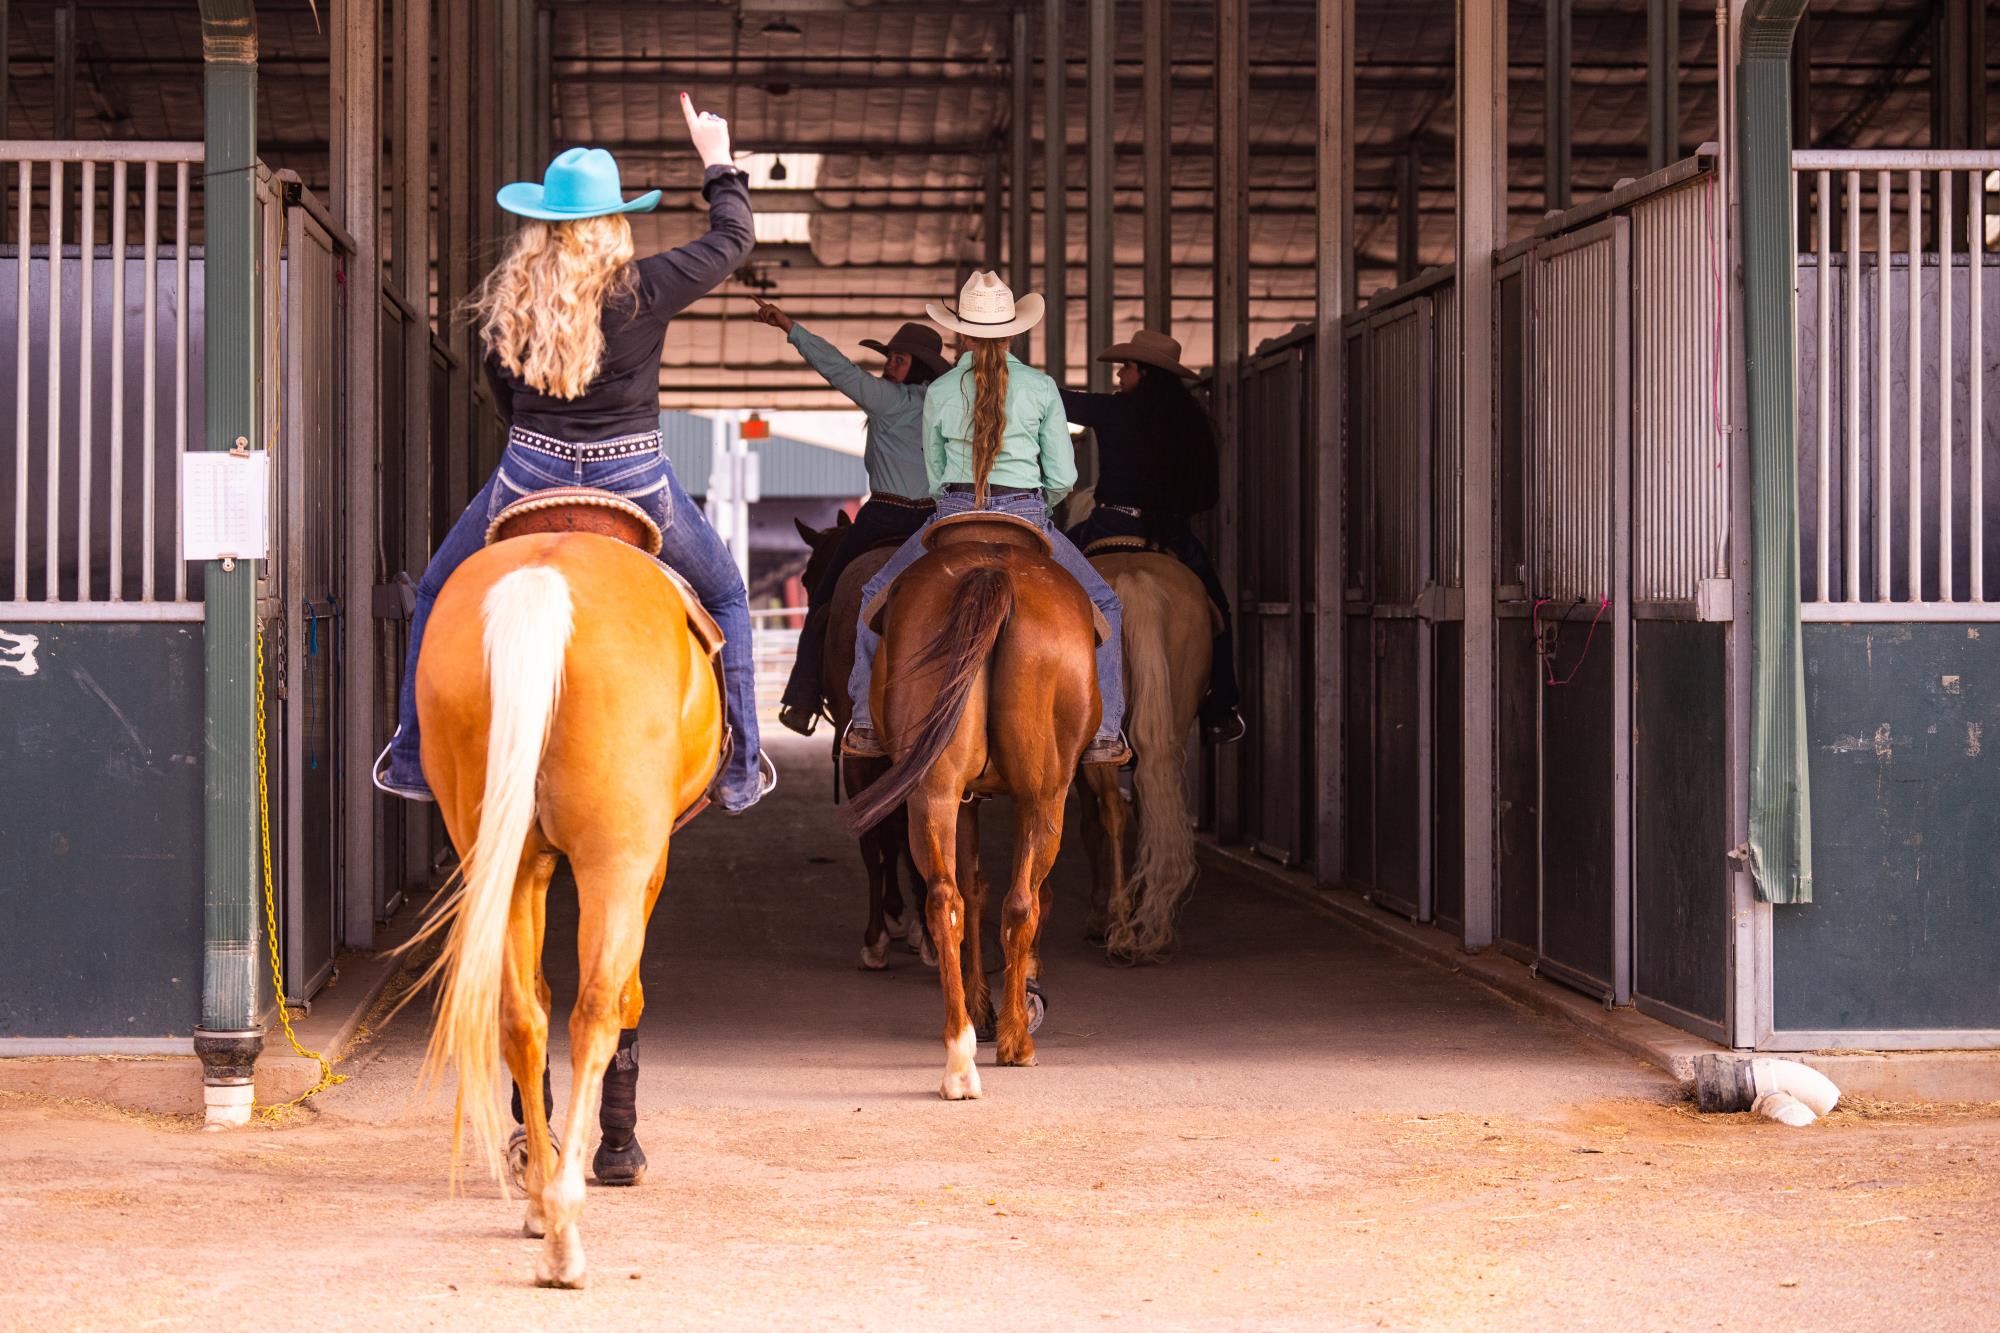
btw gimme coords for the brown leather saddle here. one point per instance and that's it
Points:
(982, 528)
(585, 509)
(1106, 545)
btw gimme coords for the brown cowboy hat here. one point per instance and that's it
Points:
(1149, 349)
(923, 345)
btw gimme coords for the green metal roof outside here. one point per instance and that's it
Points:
(788, 469)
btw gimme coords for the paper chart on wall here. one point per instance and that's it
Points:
(225, 506)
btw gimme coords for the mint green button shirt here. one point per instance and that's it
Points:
(1035, 449)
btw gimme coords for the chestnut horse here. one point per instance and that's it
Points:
(1169, 624)
(885, 849)
(986, 682)
(568, 708)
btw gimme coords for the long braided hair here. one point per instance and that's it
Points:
(989, 409)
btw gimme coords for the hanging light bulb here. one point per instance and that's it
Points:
(778, 171)
(782, 27)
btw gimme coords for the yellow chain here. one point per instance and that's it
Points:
(327, 1078)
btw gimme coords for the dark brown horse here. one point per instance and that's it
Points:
(885, 849)
(985, 683)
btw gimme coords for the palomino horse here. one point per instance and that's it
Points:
(1168, 624)
(985, 683)
(569, 707)
(885, 848)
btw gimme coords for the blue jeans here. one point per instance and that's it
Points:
(1110, 653)
(689, 546)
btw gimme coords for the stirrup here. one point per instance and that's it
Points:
(1226, 731)
(380, 775)
(1107, 750)
(861, 742)
(767, 782)
(801, 720)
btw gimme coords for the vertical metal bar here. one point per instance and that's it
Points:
(356, 165)
(120, 207)
(6, 59)
(1231, 324)
(1916, 387)
(1407, 264)
(1975, 377)
(1946, 533)
(1020, 135)
(544, 82)
(65, 43)
(1824, 536)
(1481, 143)
(52, 501)
(149, 343)
(1156, 93)
(85, 372)
(1102, 167)
(1333, 171)
(454, 278)
(413, 194)
(1556, 104)
(25, 195)
(1885, 509)
(1663, 82)
(1852, 526)
(991, 239)
(1055, 193)
(181, 295)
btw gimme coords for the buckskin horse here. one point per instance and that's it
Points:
(569, 707)
(1168, 625)
(885, 848)
(985, 683)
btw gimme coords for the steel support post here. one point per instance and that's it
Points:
(1020, 138)
(1407, 236)
(542, 105)
(454, 235)
(1482, 229)
(1055, 194)
(1555, 105)
(1156, 93)
(992, 231)
(229, 1038)
(6, 59)
(65, 41)
(1663, 82)
(413, 260)
(1232, 334)
(512, 115)
(355, 75)
(1334, 194)
(1101, 239)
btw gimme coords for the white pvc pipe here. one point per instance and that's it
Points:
(1781, 1081)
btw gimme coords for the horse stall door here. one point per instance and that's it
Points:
(1581, 622)
(1357, 640)
(1271, 617)
(1445, 616)
(1517, 810)
(1400, 431)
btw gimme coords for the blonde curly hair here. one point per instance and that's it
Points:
(540, 311)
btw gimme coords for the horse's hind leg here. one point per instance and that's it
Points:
(610, 934)
(879, 858)
(524, 1022)
(972, 884)
(1105, 816)
(1037, 839)
(933, 829)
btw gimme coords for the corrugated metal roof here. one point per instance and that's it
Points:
(787, 469)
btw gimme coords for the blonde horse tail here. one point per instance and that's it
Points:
(1163, 866)
(528, 617)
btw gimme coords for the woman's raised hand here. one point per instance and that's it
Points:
(770, 314)
(710, 134)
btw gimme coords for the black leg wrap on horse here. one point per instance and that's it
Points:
(619, 1159)
(548, 1101)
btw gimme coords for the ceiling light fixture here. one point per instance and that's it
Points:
(778, 171)
(782, 27)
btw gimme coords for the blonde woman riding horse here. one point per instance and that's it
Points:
(558, 696)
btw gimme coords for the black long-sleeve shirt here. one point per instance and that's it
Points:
(624, 399)
(1126, 474)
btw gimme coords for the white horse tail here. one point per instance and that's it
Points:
(529, 618)
(1163, 866)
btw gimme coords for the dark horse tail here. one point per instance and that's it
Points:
(980, 606)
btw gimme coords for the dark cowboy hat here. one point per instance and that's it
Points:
(923, 345)
(1150, 349)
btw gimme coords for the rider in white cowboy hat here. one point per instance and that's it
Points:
(1156, 469)
(572, 328)
(899, 500)
(1033, 467)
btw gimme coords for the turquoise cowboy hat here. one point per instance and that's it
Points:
(580, 183)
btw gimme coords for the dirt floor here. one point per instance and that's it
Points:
(1286, 1127)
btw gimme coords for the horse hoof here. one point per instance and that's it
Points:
(897, 927)
(534, 1228)
(961, 1087)
(619, 1166)
(1016, 1059)
(517, 1156)
(926, 952)
(1038, 1007)
(875, 957)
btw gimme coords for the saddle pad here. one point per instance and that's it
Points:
(1004, 529)
(577, 509)
(706, 632)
